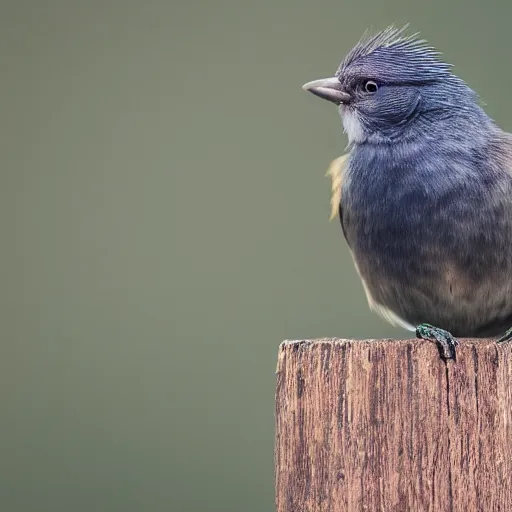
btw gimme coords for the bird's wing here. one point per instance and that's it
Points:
(506, 151)
(336, 171)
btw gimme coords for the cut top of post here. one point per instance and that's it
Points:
(387, 425)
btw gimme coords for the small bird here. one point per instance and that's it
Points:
(424, 194)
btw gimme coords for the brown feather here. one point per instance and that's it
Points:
(336, 171)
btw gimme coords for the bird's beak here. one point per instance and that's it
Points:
(329, 89)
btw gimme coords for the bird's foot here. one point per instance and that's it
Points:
(445, 342)
(506, 337)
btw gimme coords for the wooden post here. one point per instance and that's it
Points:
(387, 426)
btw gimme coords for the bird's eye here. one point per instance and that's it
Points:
(370, 86)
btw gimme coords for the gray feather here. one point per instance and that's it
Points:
(427, 195)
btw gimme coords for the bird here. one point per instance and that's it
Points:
(423, 192)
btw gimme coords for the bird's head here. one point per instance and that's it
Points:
(389, 83)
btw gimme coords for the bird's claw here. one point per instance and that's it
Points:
(445, 342)
(506, 337)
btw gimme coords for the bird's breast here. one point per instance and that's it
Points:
(429, 245)
(388, 218)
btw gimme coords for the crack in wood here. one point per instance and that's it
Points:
(386, 426)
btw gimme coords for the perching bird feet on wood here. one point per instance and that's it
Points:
(424, 194)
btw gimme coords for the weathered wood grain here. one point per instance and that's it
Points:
(387, 426)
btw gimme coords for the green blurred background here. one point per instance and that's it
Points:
(164, 226)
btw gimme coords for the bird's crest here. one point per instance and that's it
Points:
(396, 40)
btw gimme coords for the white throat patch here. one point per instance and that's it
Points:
(352, 125)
